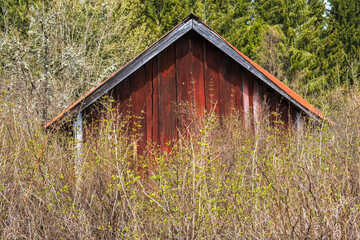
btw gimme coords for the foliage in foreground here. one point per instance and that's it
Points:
(219, 181)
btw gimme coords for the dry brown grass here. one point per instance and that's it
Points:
(220, 181)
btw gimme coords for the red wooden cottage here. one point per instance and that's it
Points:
(190, 63)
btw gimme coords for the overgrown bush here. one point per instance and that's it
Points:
(220, 180)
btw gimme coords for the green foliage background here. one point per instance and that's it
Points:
(53, 51)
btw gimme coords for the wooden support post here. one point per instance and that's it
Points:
(78, 137)
(256, 106)
(257, 101)
(299, 124)
(246, 99)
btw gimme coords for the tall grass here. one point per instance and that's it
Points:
(219, 181)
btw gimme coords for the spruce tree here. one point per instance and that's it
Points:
(344, 29)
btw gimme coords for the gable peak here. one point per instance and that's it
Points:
(191, 16)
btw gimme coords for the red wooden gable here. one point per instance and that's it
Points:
(190, 63)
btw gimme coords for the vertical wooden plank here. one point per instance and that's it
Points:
(197, 71)
(115, 95)
(167, 97)
(182, 68)
(112, 94)
(124, 93)
(138, 82)
(251, 91)
(274, 108)
(271, 107)
(251, 100)
(149, 101)
(284, 112)
(161, 121)
(225, 85)
(155, 100)
(229, 80)
(212, 81)
(293, 117)
(239, 82)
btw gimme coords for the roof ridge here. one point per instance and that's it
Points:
(191, 16)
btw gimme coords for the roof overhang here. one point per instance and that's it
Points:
(191, 22)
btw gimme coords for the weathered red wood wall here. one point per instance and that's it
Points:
(191, 70)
